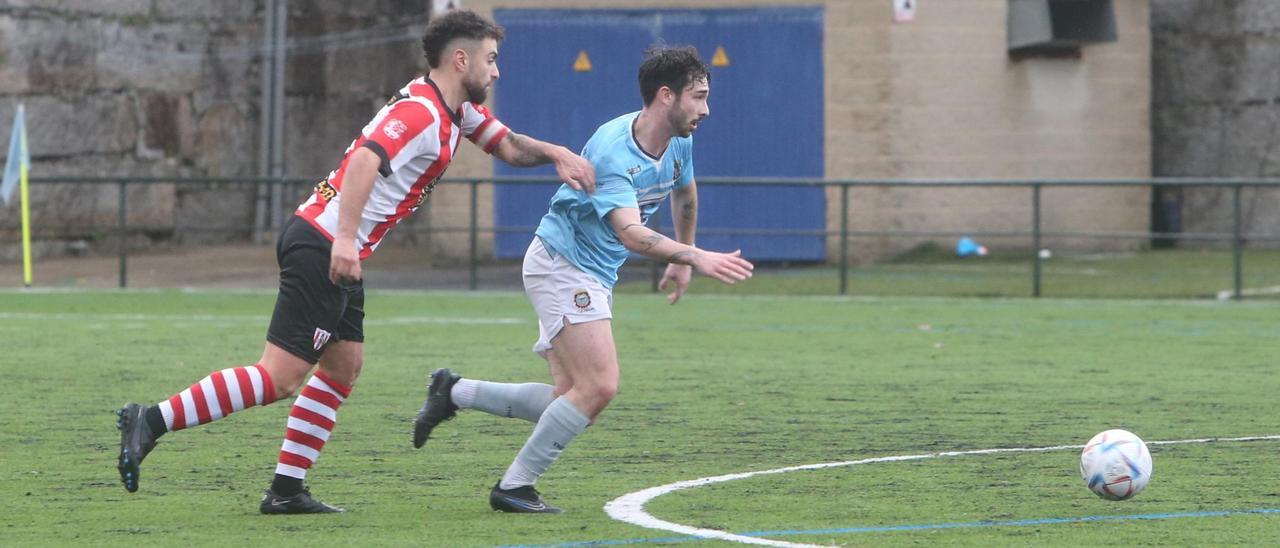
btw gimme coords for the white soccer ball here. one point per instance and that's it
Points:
(1115, 464)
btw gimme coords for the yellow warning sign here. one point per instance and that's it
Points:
(583, 63)
(720, 58)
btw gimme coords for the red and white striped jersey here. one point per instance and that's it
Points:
(416, 136)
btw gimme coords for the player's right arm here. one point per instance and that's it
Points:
(524, 151)
(726, 267)
(396, 136)
(357, 183)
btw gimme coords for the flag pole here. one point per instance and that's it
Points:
(15, 174)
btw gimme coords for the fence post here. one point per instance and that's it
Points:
(123, 230)
(844, 239)
(472, 275)
(1237, 243)
(1035, 240)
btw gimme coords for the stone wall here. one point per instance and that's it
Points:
(127, 87)
(173, 88)
(1216, 106)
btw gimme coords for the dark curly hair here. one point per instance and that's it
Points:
(672, 66)
(453, 25)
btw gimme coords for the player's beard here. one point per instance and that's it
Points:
(476, 93)
(680, 122)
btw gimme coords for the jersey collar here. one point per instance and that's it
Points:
(453, 116)
(631, 129)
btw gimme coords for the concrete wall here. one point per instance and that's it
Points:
(1217, 88)
(941, 98)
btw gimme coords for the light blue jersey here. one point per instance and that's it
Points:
(626, 176)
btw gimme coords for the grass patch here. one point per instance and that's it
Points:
(714, 385)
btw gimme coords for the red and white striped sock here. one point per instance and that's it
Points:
(310, 422)
(218, 395)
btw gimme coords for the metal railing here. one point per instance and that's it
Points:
(844, 233)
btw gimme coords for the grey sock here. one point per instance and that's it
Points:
(560, 423)
(522, 401)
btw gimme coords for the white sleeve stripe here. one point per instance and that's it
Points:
(493, 143)
(474, 132)
(489, 132)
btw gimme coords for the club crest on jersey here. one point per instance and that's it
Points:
(676, 171)
(633, 170)
(394, 128)
(582, 299)
(319, 339)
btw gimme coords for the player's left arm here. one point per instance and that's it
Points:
(524, 151)
(684, 212)
(632, 234)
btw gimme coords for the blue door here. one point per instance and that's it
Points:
(766, 112)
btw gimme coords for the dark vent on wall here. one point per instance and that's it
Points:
(1058, 28)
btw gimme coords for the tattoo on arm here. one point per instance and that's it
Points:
(651, 240)
(647, 241)
(681, 257)
(690, 210)
(527, 153)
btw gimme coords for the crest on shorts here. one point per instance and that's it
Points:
(319, 339)
(582, 299)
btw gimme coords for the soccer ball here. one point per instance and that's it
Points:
(1115, 464)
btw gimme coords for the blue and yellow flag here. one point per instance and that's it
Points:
(18, 160)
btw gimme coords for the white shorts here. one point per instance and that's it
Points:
(558, 289)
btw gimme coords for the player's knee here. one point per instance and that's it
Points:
(604, 392)
(286, 385)
(563, 387)
(342, 364)
(354, 369)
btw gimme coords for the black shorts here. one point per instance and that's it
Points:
(310, 310)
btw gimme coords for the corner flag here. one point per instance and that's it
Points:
(15, 174)
(15, 165)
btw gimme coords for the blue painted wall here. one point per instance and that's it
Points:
(766, 112)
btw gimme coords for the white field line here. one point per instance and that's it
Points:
(1226, 294)
(492, 293)
(214, 318)
(629, 508)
